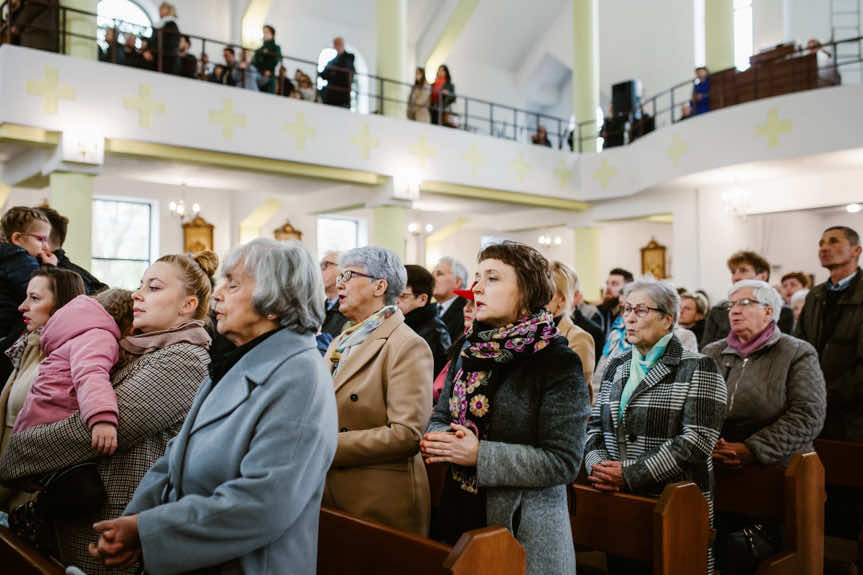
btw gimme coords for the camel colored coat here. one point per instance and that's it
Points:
(581, 343)
(384, 398)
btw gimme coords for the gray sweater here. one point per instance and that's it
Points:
(776, 397)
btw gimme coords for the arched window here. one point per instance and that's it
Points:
(126, 16)
(360, 88)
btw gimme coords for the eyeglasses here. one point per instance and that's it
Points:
(346, 276)
(640, 310)
(325, 264)
(43, 239)
(743, 302)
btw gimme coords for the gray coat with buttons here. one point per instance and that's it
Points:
(776, 397)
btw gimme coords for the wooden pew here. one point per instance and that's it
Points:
(672, 533)
(19, 558)
(794, 496)
(348, 545)
(841, 462)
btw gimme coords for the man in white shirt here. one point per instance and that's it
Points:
(450, 275)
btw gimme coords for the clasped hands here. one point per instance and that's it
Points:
(732, 455)
(607, 476)
(118, 545)
(459, 446)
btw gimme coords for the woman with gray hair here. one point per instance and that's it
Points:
(239, 488)
(660, 407)
(776, 391)
(382, 372)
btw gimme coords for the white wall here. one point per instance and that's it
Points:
(768, 23)
(620, 245)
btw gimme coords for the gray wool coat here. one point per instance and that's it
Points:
(533, 451)
(776, 397)
(239, 489)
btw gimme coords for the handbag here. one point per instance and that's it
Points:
(747, 547)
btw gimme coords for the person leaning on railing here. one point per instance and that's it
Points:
(339, 74)
(266, 58)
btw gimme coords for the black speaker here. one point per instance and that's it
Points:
(626, 97)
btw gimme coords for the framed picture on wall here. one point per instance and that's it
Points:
(653, 260)
(287, 232)
(197, 235)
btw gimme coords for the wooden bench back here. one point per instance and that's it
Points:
(794, 496)
(672, 533)
(19, 558)
(348, 544)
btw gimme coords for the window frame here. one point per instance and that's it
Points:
(152, 232)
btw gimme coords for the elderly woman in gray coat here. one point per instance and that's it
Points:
(776, 392)
(659, 411)
(512, 415)
(239, 489)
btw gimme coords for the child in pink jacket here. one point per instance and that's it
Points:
(80, 343)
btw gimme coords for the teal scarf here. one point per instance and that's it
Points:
(355, 334)
(639, 368)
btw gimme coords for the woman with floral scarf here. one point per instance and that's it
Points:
(512, 417)
(382, 373)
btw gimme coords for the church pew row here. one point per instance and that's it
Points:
(841, 462)
(19, 558)
(348, 545)
(671, 534)
(794, 496)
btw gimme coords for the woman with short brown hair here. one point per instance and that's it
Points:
(511, 419)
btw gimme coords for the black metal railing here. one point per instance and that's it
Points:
(45, 24)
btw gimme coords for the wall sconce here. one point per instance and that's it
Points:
(414, 228)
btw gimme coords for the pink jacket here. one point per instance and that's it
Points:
(80, 347)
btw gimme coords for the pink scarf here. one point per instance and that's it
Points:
(190, 332)
(747, 348)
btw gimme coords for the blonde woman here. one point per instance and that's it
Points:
(561, 306)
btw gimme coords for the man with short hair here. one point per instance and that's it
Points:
(339, 74)
(832, 321)
(609, 309)
(421, 314)
(59, 229)
(334, 321)
(450, 275)
(743, 265)
(793, 282)
(267, 57)
(582, 320)
(188, 62)
(692, 310)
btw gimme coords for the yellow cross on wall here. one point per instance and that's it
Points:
(604, 173)
(145, 105)
(678, 149)
(474, 158)
(51, 90)
(563, 174)
(422, 151)
(520, 166)
(300, 130)
(364, 141)
(773, 128)
(227, 119)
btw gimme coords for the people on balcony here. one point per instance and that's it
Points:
(267, 57)
(701, 91)
(167, 39)
(418, 101)
(339, 74)
(442, 96)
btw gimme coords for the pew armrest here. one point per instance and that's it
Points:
(18, 557)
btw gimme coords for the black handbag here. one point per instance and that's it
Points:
(747, 547)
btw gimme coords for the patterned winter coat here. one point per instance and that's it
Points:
(154, 394)
(669, 426)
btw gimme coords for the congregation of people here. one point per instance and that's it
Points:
(200, 423)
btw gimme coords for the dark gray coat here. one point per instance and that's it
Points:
(536, 440)
(776, 397)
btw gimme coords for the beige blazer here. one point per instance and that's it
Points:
(581, 343)
(384, 399)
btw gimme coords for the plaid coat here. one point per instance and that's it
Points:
(669, 427)
(154, 393)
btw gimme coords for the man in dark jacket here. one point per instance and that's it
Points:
(421, 314)
(743, 266)
(450, 275)
(334, 321)
(267, 57)
(339, 74)
(59, 228)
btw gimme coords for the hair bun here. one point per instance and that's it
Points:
(209, 262)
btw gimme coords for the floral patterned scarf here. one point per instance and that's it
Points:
(16, 351)
(486, 349)
(355, 334)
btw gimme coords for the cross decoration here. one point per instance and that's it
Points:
(364, 141)
(562, 174)
(474, 158)
(604, 173)
(422, 151)
(677, 150)
(520, 166)
(773, 128)
(145, 105)
(300, 130)
(227, 119)
(51, 90)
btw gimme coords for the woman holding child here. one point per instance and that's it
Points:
(155, 381)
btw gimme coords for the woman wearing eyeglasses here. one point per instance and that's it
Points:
(660, 408)
(382, 373)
